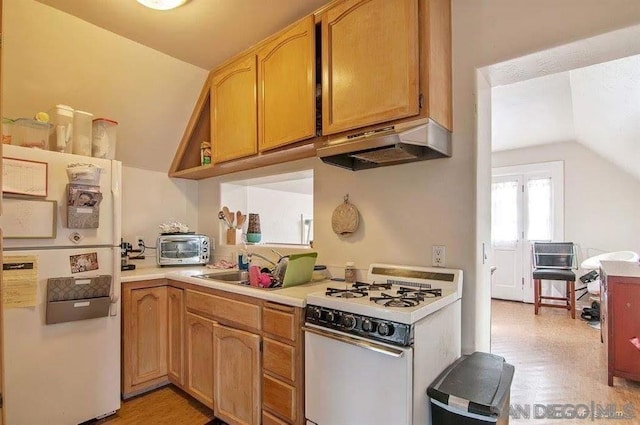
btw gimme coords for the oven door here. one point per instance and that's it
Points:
(350, 380)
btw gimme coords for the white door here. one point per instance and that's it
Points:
(527, 206)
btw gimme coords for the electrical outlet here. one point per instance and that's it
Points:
(438, 255)
(139, 241)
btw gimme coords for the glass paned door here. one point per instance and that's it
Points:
(526, 206)
(506, 237)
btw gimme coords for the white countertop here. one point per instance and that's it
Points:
(295, 296)
(621, 268)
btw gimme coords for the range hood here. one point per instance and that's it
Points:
(398, 144)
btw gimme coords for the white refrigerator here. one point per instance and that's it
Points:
(65, 373)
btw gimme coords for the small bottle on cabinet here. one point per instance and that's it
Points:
(205, 153)
(350, 272)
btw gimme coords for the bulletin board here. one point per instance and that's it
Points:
(28, 218)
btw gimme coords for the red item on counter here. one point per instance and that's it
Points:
(254, 276)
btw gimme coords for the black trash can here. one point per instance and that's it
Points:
(474, 390)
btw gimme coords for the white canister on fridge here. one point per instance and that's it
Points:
(62, 120)
(103, 139)
(82, 129)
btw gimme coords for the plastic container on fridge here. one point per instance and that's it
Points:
(82, 129)
(30, 133)
(103, 140)
(62, 120)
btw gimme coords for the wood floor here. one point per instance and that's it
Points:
(558, 360)
(165, 406)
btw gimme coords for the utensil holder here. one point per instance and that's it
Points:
(234, 236)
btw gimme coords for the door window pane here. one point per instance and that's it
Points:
(539, 209)
(504, 213)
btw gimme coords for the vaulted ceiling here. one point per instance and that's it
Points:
(597, 106)
(202, 32)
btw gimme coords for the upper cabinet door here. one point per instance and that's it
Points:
(233, 110)
(286, 87)
(369, 63)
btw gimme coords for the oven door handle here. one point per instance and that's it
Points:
(382, 349)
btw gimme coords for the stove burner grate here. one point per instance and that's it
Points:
(346, 293)
(420, 292)
(372, 286)
(397, 301)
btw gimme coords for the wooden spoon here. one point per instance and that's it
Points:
(241, 219)
(238, 218)
(228, 215)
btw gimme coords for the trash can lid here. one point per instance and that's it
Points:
(477, 383)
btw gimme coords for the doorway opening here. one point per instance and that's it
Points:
(580, 110)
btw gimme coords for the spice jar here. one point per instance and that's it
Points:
(205, 153)
(350, 272)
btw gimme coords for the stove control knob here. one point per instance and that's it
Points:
(385, 329)
(330, 316)
(367, 325)
(316, 313)
(349, 321)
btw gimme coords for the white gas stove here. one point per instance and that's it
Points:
(402, 294)
(387, 338)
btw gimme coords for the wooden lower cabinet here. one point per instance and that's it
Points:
(236, 376)
(620, 323)
(240, 356)
(144, 338)
(175, 356)
(199, 358)
(269, 419)
(282, 365)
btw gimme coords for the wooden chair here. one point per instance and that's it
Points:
(554, 261)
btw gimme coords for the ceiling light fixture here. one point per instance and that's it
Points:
(162, 4)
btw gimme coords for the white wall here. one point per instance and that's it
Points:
(150, 198)
(601, 201)
(278, 224)
(50, 57)
(279, 210)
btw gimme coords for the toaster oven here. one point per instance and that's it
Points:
(182, 249)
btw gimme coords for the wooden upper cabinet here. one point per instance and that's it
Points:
(234, 111)
(237, 376)
(370, 63)
(286, 87)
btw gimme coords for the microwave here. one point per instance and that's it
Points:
(182, 249)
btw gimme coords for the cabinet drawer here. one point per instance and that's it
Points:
(226, 309)
(279, 323)
(269, 419)
(279, 397)
(279, 359)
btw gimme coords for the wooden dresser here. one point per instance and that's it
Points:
(620, 318)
